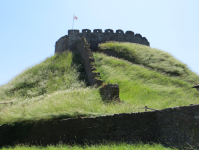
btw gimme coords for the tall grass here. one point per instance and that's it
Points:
(59, 72)
(110, 146)
(153, 58)
(57, 88)
(142, 86)
(71, 103)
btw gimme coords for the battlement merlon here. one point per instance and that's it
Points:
(68, 42)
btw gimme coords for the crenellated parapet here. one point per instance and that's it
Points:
(68, 42)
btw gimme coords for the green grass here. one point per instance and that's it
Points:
(82, 102)
(60, 72)
(57, 87)
(141, 86)
(111, 146)
(152, 58)
(64, 93)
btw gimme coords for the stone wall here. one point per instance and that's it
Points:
(97, 37)
(110, 92)
(61, 45)
(87, 59)
(118, 127)
(177, 126)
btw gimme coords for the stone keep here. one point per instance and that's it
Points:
(68, 42)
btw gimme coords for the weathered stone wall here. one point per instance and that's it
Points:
(118, 127)
(87, 59)
(97, 37)
(62, 44)
(110, 92)
(178, 126)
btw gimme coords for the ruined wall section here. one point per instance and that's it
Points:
(87, 59)
(97, 36)
(110, 92)
(62, 44)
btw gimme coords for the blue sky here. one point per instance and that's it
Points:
(30, 28)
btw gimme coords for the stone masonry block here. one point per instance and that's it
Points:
(110, 92)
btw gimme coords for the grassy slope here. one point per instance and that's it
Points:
(152, 58)
(59, 72)
(51, 89)
(141, 86)
(56, 87)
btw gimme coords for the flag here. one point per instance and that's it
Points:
(75, 17)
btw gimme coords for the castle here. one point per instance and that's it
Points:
(86, 42)
(178, 126)
(68, 42)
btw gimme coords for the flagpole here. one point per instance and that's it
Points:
(73, 21)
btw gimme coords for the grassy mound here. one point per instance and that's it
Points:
(57, 87)
(60, 72)
(141, 86)
(72, 103)
(152, 58)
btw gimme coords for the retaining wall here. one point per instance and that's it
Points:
(87, 59)
(178, 126)
(109, 91)
(68, 42)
